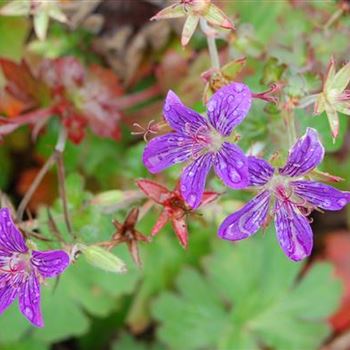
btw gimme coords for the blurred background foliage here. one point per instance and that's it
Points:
(214, 295)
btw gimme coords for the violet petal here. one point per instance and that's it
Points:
(246, 221)
(181, 118)
(193, 179)
(260, 171)
(231, 166)
(293, 231)
(7, 293)
(228, 107)
(166, 150)
(10, 238)
(305, 155)
(29, 300)
(50, 263)
(321, 195)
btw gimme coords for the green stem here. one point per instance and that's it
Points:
(291, 129)
(213, 50)
(56, 157)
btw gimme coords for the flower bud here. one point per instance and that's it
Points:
(103, 259)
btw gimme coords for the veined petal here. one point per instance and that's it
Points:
(154, 190)
(193, 179)
(260, 171)
(231, 166)
(228, 107)
(181, 118)
(166, 150)
(293, 231)
(10, 238)
(321, 195)
(246, 221)
(305, 155)
(7, 293)
(50, 263)
(29, 300)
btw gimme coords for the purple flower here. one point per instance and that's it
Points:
(201, 142)
(288, 196)
(22, 270)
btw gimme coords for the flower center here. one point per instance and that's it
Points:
(215, 141)
(15, 263)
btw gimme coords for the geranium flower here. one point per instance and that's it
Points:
(204, 143)
(175, 208)
(22, 270)
(288, 195)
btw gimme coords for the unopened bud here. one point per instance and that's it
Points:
(103, 259)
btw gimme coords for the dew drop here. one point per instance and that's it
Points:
(234, 176)
(239, 88)
(239, 163)
(230, 99)
(327, 203)
(28, 312)
(167, 108)
(191, 199)
(211, 106)
(342, 202)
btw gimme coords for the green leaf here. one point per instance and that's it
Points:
(249, 296)
(127, 342)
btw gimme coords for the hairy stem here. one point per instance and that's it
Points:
(213, 50)
(290, 125)
(61, 177)
(56, 157)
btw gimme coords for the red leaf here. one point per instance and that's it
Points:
(22, 84)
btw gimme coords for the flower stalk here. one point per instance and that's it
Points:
(213, 50)
(56, 157)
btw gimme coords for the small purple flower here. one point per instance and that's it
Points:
(22, 270)
(288, 196)
(204, 143)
